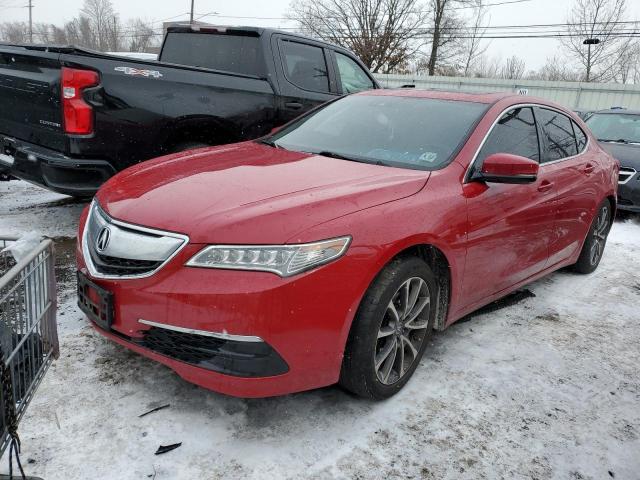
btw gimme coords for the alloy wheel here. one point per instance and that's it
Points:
(402, 331)
(599, 235)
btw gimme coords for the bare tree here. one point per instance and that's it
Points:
(473, 47)
(596, 19)
(15, 32)
(141, 36)
(445, 27)
(79, 32)
(487, 67)
(385, 34)
(513, 68)
(555, 69)
(103, 23)
(58, 35)
(41, 33)
(636, 70)
(628, 63)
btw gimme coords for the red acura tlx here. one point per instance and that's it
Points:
(330, 250)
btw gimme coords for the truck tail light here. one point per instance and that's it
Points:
(78, 114)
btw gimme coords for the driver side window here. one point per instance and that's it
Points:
(515, 133)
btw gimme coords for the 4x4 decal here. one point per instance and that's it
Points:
(137, 71)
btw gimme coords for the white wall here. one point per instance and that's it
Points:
(573, 95)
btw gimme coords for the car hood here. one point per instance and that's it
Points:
(250, 193)
(627, 154)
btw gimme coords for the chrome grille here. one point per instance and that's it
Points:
(114, 249)
(625, 175)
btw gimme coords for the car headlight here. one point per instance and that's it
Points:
(283, 260)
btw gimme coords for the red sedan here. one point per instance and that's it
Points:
(330, 250)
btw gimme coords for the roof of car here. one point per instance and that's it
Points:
(487, 97)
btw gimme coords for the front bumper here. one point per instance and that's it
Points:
(52, 169)
(302, 322)
(629, 194)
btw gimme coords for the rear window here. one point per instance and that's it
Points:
(558, 133)
(581, 137)
(231, 53)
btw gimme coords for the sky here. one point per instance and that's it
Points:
(533, 51)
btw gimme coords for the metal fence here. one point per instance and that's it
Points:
(573, 95)
(28, 332)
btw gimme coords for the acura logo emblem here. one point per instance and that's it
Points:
(103, 239)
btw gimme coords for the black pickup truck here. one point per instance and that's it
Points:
(71, 118)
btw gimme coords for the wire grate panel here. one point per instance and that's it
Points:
(28, 331)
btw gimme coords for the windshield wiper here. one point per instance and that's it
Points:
(610, 140)
(271, 143)
(326, 153)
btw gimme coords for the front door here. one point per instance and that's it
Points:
(509, 226)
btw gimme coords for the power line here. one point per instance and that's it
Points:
(170, 18)
(629, 34)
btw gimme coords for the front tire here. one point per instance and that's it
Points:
(593, 247)
(391, 329)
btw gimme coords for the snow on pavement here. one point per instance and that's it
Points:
(25, 207)
(546, 388)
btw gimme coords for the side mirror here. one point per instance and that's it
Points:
(508, 168)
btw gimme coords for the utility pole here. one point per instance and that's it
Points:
(30, 7)
(588, 42)
(115, 33)
(191, 18)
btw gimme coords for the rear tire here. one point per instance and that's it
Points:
(391, 329)
(593, 247)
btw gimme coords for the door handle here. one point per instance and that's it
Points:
(589, 168)
(293, 105)
(545, 186)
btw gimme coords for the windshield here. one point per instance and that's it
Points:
(408, 132)
(615, 127)
(230, 53)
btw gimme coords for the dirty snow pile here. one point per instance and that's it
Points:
(548, 387)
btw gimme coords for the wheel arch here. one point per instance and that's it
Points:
(613, 201)
(439, 265)
(438, 261)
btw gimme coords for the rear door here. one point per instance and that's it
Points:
(30, 97)
(305, 75)
(509, 226)
(569, 165)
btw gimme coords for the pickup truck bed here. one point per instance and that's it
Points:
(71, 118)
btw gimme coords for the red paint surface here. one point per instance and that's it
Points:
(496, 237)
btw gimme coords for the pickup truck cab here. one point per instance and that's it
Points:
(71, 118)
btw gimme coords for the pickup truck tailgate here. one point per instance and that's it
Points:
(30, 96)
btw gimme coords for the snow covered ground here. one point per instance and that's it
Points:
(548, 387)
